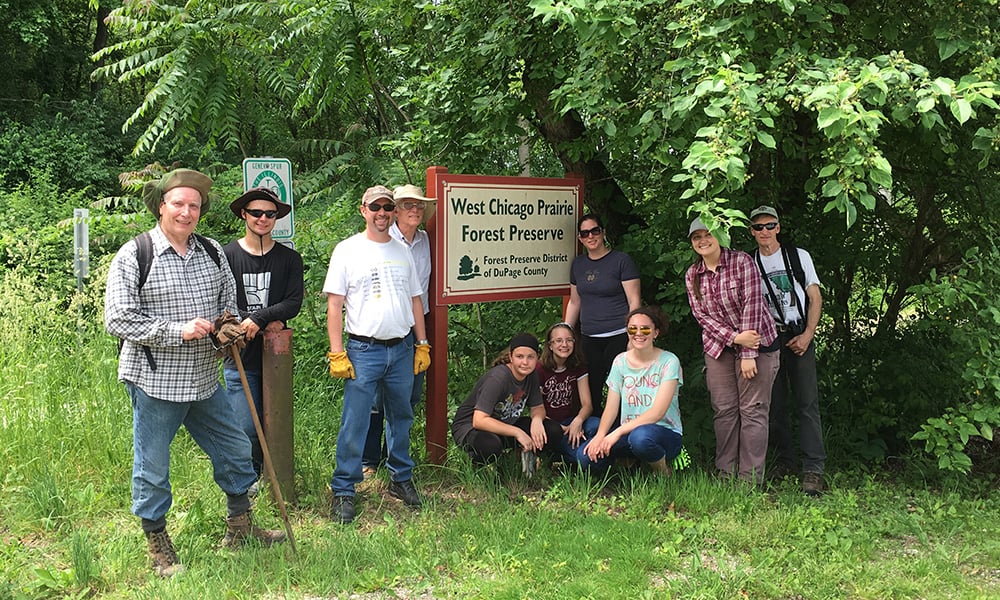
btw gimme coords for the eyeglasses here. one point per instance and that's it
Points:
(561, 341)
(413, 204)
(387, 207)
(643, 329)
(258, 213)
(762, 226)
(586, 233)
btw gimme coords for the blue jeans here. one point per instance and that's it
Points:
(384, 373)
(648, 443)
(375, 451)
(234, 387)
(213, 425)
(590, 425)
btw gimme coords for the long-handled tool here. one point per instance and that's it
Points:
(230, 344)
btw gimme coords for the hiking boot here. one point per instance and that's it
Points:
(812, 484)
(661, 468)
(240, 529)
(342, 510)
(405, 491)
(779, 472)
(161, 551)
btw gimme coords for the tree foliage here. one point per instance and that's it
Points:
(872, 128)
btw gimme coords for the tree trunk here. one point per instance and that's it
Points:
(100, 41)
(562, 132)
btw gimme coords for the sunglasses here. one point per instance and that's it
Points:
(387, 207)
(586, 233)
(411, 204)
(643, 329)
(762, 226)
(258, 213)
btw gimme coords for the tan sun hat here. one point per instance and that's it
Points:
(412, 192)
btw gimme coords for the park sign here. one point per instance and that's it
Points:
(503, 238)
(276, 175)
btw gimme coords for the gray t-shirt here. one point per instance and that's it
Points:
(603, 304)
(499, 395)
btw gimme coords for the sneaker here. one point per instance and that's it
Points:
(343, 509)
(405, 491)
(812, 484)
(367, 472)
(161, 552)
(254, 489)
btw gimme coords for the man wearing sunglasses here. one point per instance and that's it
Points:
(412, 209)
(373, 295)
(791, 288)
(268, 293)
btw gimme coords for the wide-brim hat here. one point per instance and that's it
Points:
(260, 193)
(153, 191)
(412, 192)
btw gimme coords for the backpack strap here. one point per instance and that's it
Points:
(792, 257)
(144, 256)
(211, 249)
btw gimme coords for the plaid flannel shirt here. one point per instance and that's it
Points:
(731, 301)
(177, 290)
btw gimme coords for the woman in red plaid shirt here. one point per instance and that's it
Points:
(724, 290)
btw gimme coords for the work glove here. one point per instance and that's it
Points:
(421, 358)
(340, 365)
(228, 332)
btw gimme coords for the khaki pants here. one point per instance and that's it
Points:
(741, 409)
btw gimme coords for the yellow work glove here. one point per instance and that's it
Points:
(421, 358)
(340, 365)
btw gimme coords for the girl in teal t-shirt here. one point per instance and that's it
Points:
(642, 393)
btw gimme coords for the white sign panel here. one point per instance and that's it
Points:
(276, 175)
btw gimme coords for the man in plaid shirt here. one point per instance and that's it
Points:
(169, 366)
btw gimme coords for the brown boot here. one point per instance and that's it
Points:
(161, 551)
(661, 468)
(240, 528)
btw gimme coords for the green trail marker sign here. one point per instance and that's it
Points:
(276, 175)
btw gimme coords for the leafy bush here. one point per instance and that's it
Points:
(966, 304)
(74, 149)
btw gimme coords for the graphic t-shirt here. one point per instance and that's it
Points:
(637, 387)
(560, 391)
(498, 394)
(268, 288)
(782, 283)
(378, 281)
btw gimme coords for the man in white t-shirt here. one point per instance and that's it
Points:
(373, 295)
(792, 290)
(412, 209)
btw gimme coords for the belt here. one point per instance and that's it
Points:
(783, 328)
(371, 340)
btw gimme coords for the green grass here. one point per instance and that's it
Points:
(66, 531)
